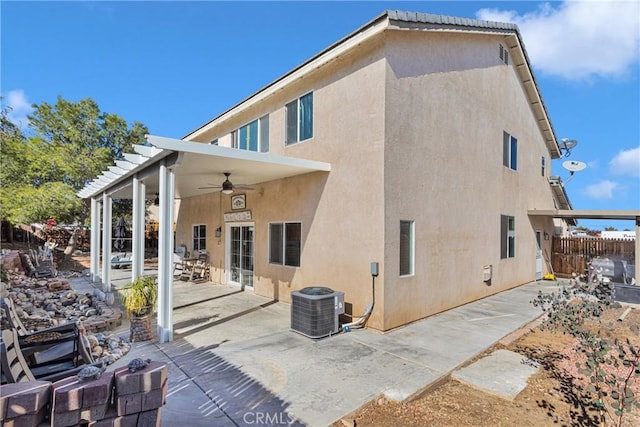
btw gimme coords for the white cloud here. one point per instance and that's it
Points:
(602, 190)
(578, 39)
(19, 107)
(626, 162)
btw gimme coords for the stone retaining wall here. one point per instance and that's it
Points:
(118, 398)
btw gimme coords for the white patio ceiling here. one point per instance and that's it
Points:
(196, 165)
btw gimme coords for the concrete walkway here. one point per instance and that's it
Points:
(234, 361)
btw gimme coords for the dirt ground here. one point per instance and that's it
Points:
(554, 396)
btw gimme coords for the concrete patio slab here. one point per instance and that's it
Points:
(503, 373)
(234, 360)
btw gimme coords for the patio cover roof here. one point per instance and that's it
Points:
(195, 165)
(587, 214)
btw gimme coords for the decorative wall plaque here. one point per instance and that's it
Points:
(237, 216)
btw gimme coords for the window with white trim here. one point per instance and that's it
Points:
(507, 237)
(199, 237)
(299, 119)
(509, 151)
(285, 243)
(253, 136)
(407, 248)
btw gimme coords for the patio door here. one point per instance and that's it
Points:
(538, 255)
(240, 253)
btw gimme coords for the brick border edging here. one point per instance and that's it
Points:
(119, 397)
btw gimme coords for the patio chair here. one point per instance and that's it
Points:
(197, 270)
(201, 268)
(57, 343)
(16, 369)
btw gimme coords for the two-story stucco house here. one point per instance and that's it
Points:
(419, 142)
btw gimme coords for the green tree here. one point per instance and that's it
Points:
(70, 143)
(610, 228)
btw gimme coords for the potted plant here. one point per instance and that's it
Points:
(139, 299)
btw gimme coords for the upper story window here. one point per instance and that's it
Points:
(510, 151)
(543, 165)
(253, 136)
(504, 55)
(299, 119)
(214, 141)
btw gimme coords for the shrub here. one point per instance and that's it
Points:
(577, 311)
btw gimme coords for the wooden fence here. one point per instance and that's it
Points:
(572, 254)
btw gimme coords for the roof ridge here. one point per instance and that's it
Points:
(429, 18)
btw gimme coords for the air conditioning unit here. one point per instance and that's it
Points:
(315, 311)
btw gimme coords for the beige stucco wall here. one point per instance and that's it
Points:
(449, 98)
(411, 123)
(341, 211)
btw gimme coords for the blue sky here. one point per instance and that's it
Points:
(176, 65)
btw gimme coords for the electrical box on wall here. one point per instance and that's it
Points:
(487, 273)
(374, 269)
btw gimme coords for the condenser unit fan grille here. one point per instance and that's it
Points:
(314, 311)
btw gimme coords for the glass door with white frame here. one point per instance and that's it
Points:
(240, 254)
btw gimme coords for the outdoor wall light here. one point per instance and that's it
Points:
(218, 231)
(156, 201)
(546, 236)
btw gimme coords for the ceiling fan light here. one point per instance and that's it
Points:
(227, 187)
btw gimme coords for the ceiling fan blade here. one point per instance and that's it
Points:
(208, 188)
(242, 187)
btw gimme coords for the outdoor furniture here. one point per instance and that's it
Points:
(37, 268)
(196, 269)
(16, 369)
(120, 261)
(54, 344)
(201, 268)
(180, 263)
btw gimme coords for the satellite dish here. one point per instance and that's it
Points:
(574, 166)
(567, 145)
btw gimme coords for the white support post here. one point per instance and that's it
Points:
(637, 257)
(137, 237)
(165, 255)
(95, 240)
(106, 242)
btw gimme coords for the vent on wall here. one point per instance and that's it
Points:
(504, 55)
(315, 311)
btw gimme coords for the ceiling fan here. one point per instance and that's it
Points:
(227, 186)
